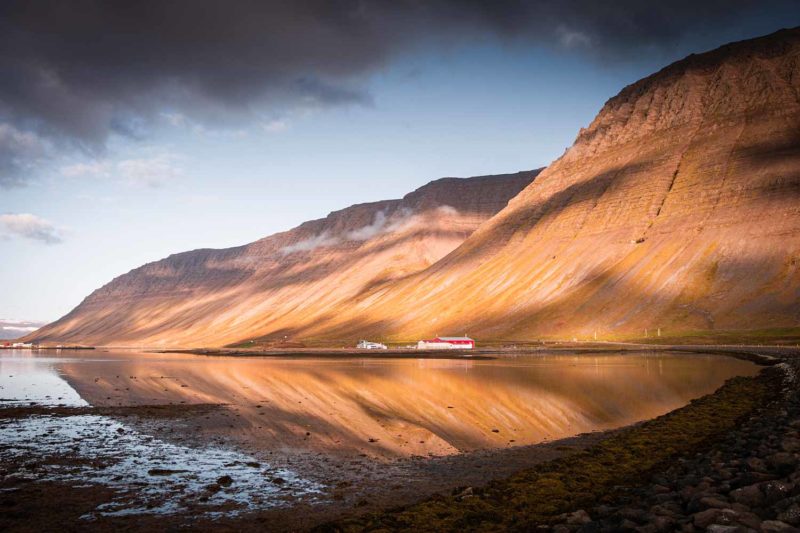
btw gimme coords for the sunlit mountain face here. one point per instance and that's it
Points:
(673, 213)
(271, 287)
(197, 126)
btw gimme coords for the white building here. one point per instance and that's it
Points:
(367, 345)
(446, 343)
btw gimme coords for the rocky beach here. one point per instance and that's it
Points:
(725, 463)
(748, 481)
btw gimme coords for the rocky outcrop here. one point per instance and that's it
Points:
(288, 280)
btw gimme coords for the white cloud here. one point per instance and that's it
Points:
(312, 243)
(21, 329)
(11, 329)
(95, 169)
(27, 226)
(275, 126)
(401, 220)
(20, 153)
(381, 224)
(367, 232)
(217, 133)
(175, 119)
(23, 141)
(148, 171)
(152, 172)
(179, 120)
(570, 38)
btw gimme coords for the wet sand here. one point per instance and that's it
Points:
(360, 485)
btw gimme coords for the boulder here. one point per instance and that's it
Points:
(750, 496)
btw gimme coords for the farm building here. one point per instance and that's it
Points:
(446, 343)
(367, 345)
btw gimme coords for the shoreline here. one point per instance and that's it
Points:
(46, 348)
(624, 482)
(761, 355)
(340, 353)
(438, 476)
(412, 477)
(490, 350)
(749, 352)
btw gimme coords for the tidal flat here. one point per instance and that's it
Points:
(286, 444)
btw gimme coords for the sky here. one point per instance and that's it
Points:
(131, 131)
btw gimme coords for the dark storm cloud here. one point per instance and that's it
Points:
(74, 72)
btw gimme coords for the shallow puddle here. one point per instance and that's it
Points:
(32, 380)
(149, 475)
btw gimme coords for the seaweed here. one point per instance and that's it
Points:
(539, 495)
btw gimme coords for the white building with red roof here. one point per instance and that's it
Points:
(446, 343)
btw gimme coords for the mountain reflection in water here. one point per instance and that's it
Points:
(400, 407)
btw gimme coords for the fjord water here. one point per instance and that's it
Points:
(277, 417)
(386, 407)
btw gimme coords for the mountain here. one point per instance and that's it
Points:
(677, 209)
(12, 329)
(288, 280)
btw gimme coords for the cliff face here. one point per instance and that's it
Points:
(288, 280)
(677, 208)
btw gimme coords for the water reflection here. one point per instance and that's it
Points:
(147, 474)
(404, 407)
(33, 379)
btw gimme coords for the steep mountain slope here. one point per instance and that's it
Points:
(288, 280)
(677, 208)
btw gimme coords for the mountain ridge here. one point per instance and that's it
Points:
(176, 297)
(638, 225)
(676, 209)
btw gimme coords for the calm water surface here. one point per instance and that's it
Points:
(384, 408)
(451, 405)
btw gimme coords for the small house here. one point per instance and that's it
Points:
(447, 343)
(367, 345)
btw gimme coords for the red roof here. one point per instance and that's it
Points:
(451, 340)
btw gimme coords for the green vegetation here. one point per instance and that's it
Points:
(538, 495)
(776, 336)
(786, 336)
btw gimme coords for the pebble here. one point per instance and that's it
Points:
(769, 526)
(717, 528)
(747, 482)
(579, 517)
